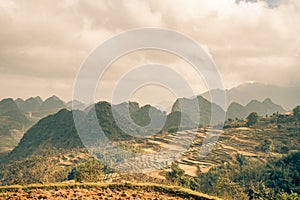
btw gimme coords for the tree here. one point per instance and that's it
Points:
(252, 119)
(90, 170)
(287, 196)
(296, 112)
(267, 146)
(175, 174)
(282, 175)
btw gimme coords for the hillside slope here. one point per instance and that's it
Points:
(12, 125)
(58, 131)
(201, 109)
(52, 132)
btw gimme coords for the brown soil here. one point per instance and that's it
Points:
(99, 191)
(189, 170)
(85, 194)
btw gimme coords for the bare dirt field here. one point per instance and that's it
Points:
(100, 191)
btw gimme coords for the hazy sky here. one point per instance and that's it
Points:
(43, 43)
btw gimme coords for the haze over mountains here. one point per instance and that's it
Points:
(287, 97)
(58, 130)
(266, 107)
(17, 116)
(13, 124)
(39, 108)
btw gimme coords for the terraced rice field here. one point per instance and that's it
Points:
(185, 148)
(230, 142)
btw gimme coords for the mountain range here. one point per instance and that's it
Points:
(287, 97)
(55, 120)
(266, 107)
(58, 131)
(16, 116)
(39, 108)
(13, 124)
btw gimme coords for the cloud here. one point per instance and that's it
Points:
(48, 40)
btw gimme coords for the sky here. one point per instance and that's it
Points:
(43, 43)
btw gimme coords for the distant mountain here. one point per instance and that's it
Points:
(127, 106)
(142, 118)
(288, 97)
(201, 109)
(137, 120)
(75, 104)
(236, 110)
(9, 109)
(13, 124)
(178, 119)
(31, 104)
(36, 108)
(266, 107)
(52, 103)
(107, 122)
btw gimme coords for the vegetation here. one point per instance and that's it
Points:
(52, 166)
(296, 112)
(271, 172)
(35, 169)
(52, 133)
(252, 119)
(90, 170)
(246, 179)
(260, 161)
(12, 125)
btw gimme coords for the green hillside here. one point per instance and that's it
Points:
(12, 125)
(258, 160)
(58, 131)
(52, 132)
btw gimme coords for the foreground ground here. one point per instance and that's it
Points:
(100, 191)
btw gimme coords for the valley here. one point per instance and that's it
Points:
(200, 158)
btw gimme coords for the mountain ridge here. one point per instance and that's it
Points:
(286, 96)
(266, 107)
(12, 124)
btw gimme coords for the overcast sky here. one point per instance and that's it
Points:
(43, 43)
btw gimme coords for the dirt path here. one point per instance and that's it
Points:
(244, 141)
